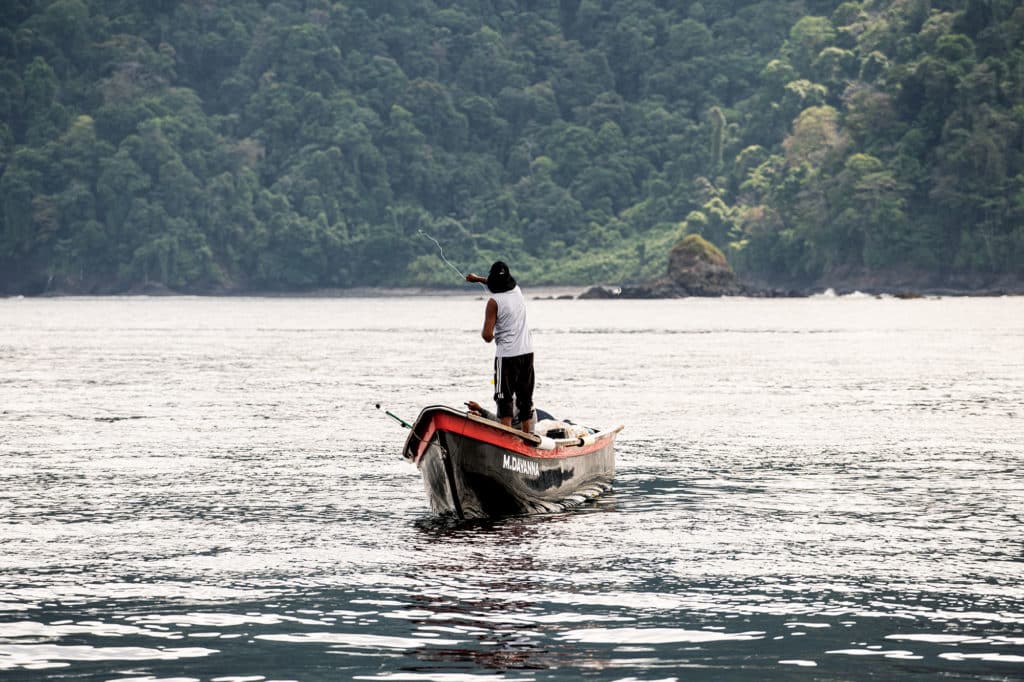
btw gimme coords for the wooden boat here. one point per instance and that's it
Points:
(474, 467)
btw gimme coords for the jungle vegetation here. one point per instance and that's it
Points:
(206, 145)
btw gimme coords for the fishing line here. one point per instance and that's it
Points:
(447, 262)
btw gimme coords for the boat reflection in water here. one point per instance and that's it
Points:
(496, 612)
(473, 467)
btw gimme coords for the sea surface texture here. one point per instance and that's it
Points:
(809, 489)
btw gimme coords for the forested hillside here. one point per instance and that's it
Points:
(206, 145)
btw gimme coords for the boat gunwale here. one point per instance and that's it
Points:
(474, 427)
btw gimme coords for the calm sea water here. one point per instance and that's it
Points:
(816, 489)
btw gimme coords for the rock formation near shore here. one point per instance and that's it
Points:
(696, 267)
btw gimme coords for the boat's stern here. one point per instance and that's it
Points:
(475, 467)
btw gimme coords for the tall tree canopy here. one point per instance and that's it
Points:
(216, 146)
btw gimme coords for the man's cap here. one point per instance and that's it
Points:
(500, 279)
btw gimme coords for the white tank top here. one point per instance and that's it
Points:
(511, 335)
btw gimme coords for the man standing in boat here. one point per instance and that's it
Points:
(505, 324)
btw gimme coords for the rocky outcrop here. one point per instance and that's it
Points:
(601, 292)
(696, 267)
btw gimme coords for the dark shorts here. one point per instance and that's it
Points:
(513, 382)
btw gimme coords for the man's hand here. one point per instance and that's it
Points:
(475, 407)
(471, 277)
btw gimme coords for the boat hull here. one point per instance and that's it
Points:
(474, 468)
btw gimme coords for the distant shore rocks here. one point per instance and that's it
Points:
(660, 290)
(698, 268)
(601, 291)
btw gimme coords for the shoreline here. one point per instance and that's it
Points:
(552, 292)
(903, 285)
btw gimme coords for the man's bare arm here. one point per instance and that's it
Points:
(490, 319)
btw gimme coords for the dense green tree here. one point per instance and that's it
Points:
(808, 37)
(43, 116)
(211, 146)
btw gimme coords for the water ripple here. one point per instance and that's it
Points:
(201, 489)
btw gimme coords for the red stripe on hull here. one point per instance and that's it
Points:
(462, 426)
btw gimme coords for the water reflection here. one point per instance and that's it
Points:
(48, 656)
(817, 489)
